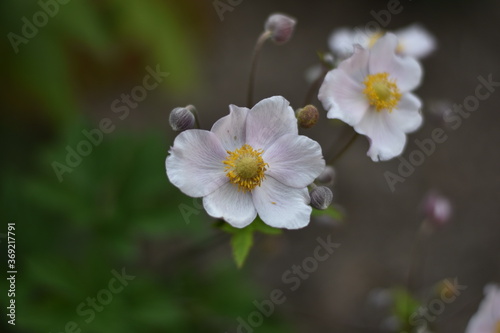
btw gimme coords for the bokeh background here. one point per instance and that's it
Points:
(116, 209)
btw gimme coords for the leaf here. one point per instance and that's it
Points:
(331, 211)
(242, 241)
(260, 226)
(404, 304)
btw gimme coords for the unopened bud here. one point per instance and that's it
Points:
(327, 177)
(182, 119)
(321, 197)
(308, 116)
(437, 209)
(281, 27)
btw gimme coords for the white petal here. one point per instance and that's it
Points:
(415, 41)
(341, 41)
(386, 141)
(268, 120)
(405, 70)
(281, 206)
(235, 207)
(231, 129)
(195, 163)
(294, 160)
(488, 314)
(343, 97)
(357, 65)
(407, 116)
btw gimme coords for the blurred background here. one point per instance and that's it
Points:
(80, 221)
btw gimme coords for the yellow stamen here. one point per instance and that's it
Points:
(497, 327)
(382, 93)
(245, 167)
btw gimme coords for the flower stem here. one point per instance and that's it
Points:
(343, 150)
(255, 58)
(315, 86)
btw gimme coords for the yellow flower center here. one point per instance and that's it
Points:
(245, 167)
(497, 327)
(382, 93)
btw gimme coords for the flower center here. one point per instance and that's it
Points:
(382, 93)
(497, 327)
(245, 167)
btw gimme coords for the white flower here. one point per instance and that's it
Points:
(414, 41)
(251, 162)
(371, 92)
(487, 318)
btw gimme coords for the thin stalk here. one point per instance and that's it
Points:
(341, 152)
(255, 58)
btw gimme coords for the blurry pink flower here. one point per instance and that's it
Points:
(251, 162)
(413, 41)
(487, 318)
(437, 209)
(371, 91)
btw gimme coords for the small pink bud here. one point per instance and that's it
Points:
(327, 177)
(182, 119)
(437, 209)
(321, 197)
(281, 27)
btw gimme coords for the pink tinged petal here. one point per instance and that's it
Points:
(268, 120)
(406, 71)
(341, 41)
(386, 141)
(357, 65)
(415, 41)
(235, 207)
(281, 206)
(343, 97)
(294, 160)
(231, 129)
(195, 163)
(488, 314)
(407, 116)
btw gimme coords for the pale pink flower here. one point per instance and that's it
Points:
(487, 317)
(371, 91)
(251, 162)
(414, 41)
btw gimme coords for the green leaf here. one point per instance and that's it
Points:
(331, 211)
(241, 242)
(260, 226)
(404, 305)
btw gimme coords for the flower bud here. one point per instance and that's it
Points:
(308, 116)
(182, 119)
(321, 197)
(437, 209)
(281, 27)
(327, 177)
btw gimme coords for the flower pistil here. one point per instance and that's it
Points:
(382, 93)
(245, 167)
